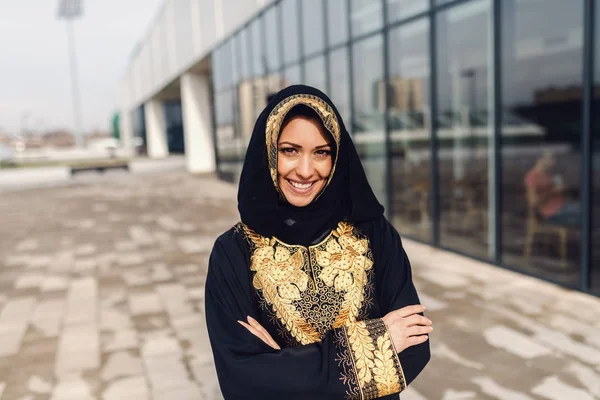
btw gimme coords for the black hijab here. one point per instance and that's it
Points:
(347, 194)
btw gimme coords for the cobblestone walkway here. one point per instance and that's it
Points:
(102, 287)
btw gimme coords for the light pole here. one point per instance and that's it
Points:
(70, 10)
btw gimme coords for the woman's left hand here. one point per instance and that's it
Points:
(257, 330)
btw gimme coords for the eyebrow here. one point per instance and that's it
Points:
(299, 147)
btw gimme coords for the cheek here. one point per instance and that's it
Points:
(283, 167)
(325, 168)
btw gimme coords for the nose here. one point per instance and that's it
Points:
(305, 167)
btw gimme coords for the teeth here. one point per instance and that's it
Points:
(300, 185)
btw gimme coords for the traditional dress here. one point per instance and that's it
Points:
(318, 278)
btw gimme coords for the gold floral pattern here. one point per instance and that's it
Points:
(369, 361)
(294, 281)
(345, 265)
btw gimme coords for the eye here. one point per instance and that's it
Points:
(323, 152)
(288, 150)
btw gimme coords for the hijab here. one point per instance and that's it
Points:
(346, 195)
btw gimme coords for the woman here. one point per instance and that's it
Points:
(311, 295)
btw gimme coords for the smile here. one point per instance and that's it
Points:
(300, 188)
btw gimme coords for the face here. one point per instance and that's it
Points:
(304, 161)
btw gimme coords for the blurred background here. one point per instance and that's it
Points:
(452, 104)
(476, 121)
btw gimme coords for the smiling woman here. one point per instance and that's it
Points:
(311, 296)
(304, 161)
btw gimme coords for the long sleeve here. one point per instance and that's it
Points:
(395, 290)
(246, 367)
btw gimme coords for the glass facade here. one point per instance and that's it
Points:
(478, 121)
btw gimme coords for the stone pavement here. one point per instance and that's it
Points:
(102, 286)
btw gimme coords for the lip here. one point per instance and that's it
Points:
(298, 190)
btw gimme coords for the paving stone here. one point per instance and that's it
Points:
(72, 387)
(121, 364)
(127, 388)
(79, 349)
(121, 340)
(144, 303)
(39, 385)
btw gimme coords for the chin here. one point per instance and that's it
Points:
(303, 202)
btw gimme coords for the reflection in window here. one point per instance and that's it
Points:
(464, 130)
(291, 75)
(229, 145)
(312, 26)
(400, 9)
(244, 54)
(315, 73)
(291, 36)
(365, 16)
(337, 25)
(340, 83)
(409, 127)
(272, 59)
(542, 82)
(258, 57)
(368, 127)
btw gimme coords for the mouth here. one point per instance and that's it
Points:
(300, 188)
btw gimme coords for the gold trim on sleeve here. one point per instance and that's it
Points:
(375, 362)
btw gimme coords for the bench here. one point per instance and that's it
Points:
(100, 168)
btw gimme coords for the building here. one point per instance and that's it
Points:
(510, 84)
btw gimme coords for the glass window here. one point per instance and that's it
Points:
(174, 127)
(337, 21)
(541, 120)
(463, 126)
(368, 125)
(291, 37)
(229, 147)
(312, 26)
(234, 47)
(365, 16)
(258, 57)
(244, 52)
(291, 75)
(409, 122)
(595, 202)
(339, 91)
(272, 58)
(315, 73)
(400, 9)
(221, 67)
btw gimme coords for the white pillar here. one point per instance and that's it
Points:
(156, 133)
(126, 131)
(197, 123)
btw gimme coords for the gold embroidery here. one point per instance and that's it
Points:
(384, 371)
(289, 278)
(362, 347)
(280, 277)
(275, 120)
(375, 364)
(345, 269)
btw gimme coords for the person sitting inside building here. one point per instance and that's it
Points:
(547, 193)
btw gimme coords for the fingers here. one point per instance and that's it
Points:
(415, 340)
(265, 333)
(257, 330)
(417, 319)
(418, 330)
(410, 310)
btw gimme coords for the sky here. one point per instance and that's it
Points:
(35, 85)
